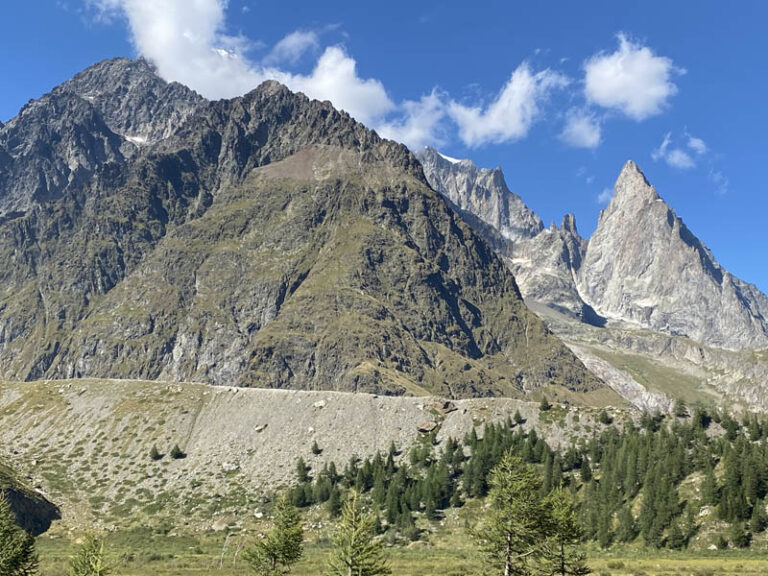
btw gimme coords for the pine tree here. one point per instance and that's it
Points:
(154, 453)
(282, 546)
(355, 551)
(316, 450)
(561, 555)
(627, 528)
(586, 471)
(176, 453)
(302, 471)
(17, 547)
(89, 559)
(759, 520)
(512, 532)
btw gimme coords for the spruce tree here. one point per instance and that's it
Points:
(334, 503)
(89, 559)
(759, 520)
(282, 546)
(154, 453)
(17, 547)
(355, 550)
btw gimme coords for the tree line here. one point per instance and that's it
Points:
(626, 480)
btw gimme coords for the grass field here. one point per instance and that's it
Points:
(445, 553)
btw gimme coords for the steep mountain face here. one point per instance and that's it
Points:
(481, 192)
(267, 240)
(625, 272)
(545, 267)
(643, 304)
(644, 265)
(543, 260)
(99, 117)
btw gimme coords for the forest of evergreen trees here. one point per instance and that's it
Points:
(627, 478)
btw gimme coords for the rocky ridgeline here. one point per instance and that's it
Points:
(614, 290)
(644, 265)
(267, 240)
(623, 271)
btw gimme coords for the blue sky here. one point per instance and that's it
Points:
(560, 94)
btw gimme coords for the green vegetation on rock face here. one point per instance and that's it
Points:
(268, 241)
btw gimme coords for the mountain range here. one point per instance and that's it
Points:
(642, 276)
(267, 240)
(272, 241)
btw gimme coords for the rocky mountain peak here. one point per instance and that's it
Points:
(644, 265)
(632, 186)
(133, 99)
(265, 240)
(481, 192)
(569, 224)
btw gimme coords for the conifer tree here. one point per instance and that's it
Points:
(17, 547)
(512, 532)
(355, 551)
(89, 559)
(282, 546)
(561, 555)
(334, 503)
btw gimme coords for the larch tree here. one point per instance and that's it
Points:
(356, 551)
(282, 546)
(513, 531)
(562, 556)
(89, 559)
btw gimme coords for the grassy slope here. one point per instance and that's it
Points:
(87, 442)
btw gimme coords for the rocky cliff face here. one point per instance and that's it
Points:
(543, 260)
(481, 192)
(267, 240)
(645, 266)
(100, 117)
(625, 271)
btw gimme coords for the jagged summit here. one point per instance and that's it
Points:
(632, 186)
(541, 258)
(481, 192)
(644, 265)
(267, 240)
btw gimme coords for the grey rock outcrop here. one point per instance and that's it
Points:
(98, 118)
(543, 260)
(643, 265)
(482, 192)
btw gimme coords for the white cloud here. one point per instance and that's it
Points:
(632, 80)
(582, 129)
(510, 116)
(697, 145)
(421, 125)
(292, 47)
(605, 196)
(720, 181)
(675, 157)
(678, 158)
(187, 42)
